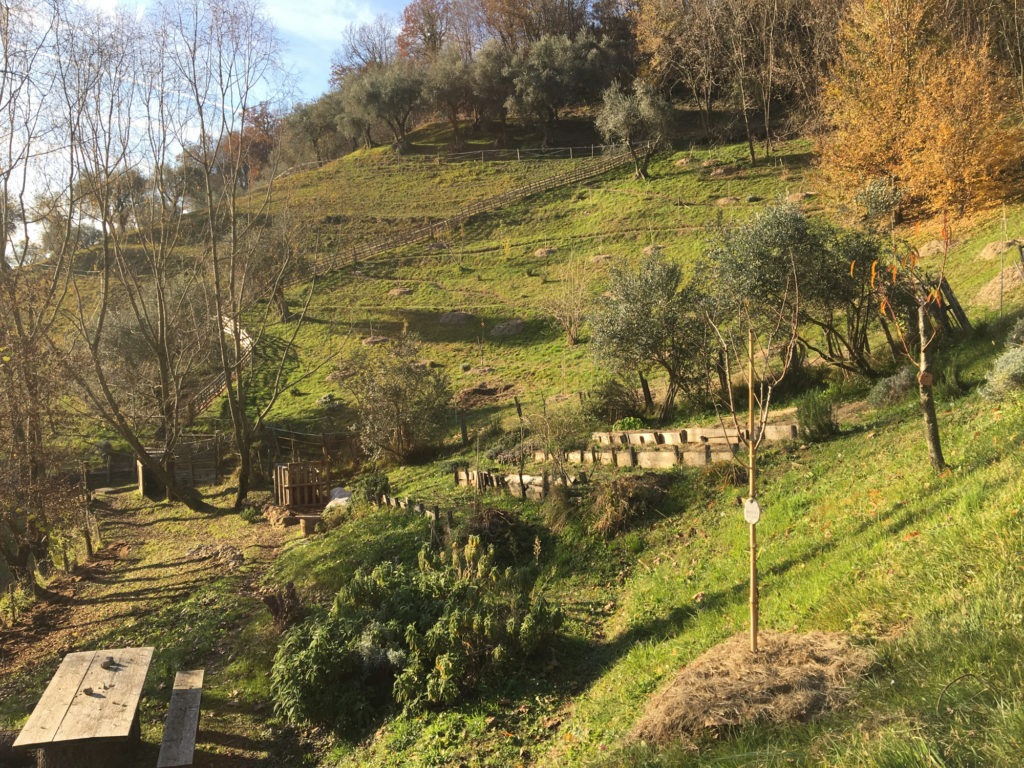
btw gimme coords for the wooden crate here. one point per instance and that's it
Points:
(302, 484)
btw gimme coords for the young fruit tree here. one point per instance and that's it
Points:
(754, 316)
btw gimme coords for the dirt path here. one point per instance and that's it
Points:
(167, 577)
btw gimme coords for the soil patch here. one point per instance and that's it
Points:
(455, 318)
(792, 678)
(474, 397)
(988, 296)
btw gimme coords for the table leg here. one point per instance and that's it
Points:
(135, 734)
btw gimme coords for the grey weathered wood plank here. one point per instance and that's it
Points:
(179, 740)
(55, 701)
(108, 710)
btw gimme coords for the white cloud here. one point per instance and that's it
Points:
(319, 22)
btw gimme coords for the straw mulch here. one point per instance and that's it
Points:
(793, 677)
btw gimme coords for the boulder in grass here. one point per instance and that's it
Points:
(652, 250)
(507, 328)
(456, 318)
(543, 253)
(799, 197)
(711, 163)
(400, 292)
(724, 201)
(683, 161)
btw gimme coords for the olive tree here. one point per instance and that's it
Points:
(634, 117)
(762, 258)
(401, 405)
(653, 320)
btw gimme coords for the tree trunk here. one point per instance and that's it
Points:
(931, 423)
(648, 400)
(281, 303)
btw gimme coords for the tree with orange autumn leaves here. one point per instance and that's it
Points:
(908, 102)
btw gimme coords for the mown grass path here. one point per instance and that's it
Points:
(177, 580)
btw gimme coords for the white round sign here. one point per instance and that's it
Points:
(751, 511)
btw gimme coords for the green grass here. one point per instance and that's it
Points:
(859, 536)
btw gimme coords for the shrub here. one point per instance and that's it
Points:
(1016, 334)
(815, 413)
(251, 514)
(492, 527)
(622, 499)
(408, 636)
(892, 389)
(612, 400)
(628, 423)
(373, 485)
(401, 407)
(949, 379)
(559, 508)
(1007, 374)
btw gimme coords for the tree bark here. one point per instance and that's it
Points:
(931, 423)
(648, 400)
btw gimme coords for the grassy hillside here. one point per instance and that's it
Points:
(858, 535)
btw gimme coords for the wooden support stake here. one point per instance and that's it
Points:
(751, 444)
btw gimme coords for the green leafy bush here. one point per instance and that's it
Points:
(892, 389)
(1007, 374)
(612, 400)
(373, 485)
(628, 423)
(251, 514)
(402, 636)
(815, 413)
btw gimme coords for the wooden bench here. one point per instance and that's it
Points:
(179, 741)
(90, 705)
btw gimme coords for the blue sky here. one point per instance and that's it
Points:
(310, 31)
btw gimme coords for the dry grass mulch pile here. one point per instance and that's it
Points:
(988, 296)
(793, 677)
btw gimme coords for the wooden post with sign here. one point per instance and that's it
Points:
(751, 510)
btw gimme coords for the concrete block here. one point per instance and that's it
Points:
(776, 432)
(625, 458)
(607, 457)
(656, 459)
(675, 437)
(697, 456)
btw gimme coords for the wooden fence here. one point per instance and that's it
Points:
(194, 461)
(302, 484)
(336, 261)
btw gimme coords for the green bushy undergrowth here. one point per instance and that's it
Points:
(815, 413)
(401, 636)
(892, 389)
(627, 423)
(1007, 374)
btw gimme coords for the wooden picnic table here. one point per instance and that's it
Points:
(91, 701)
